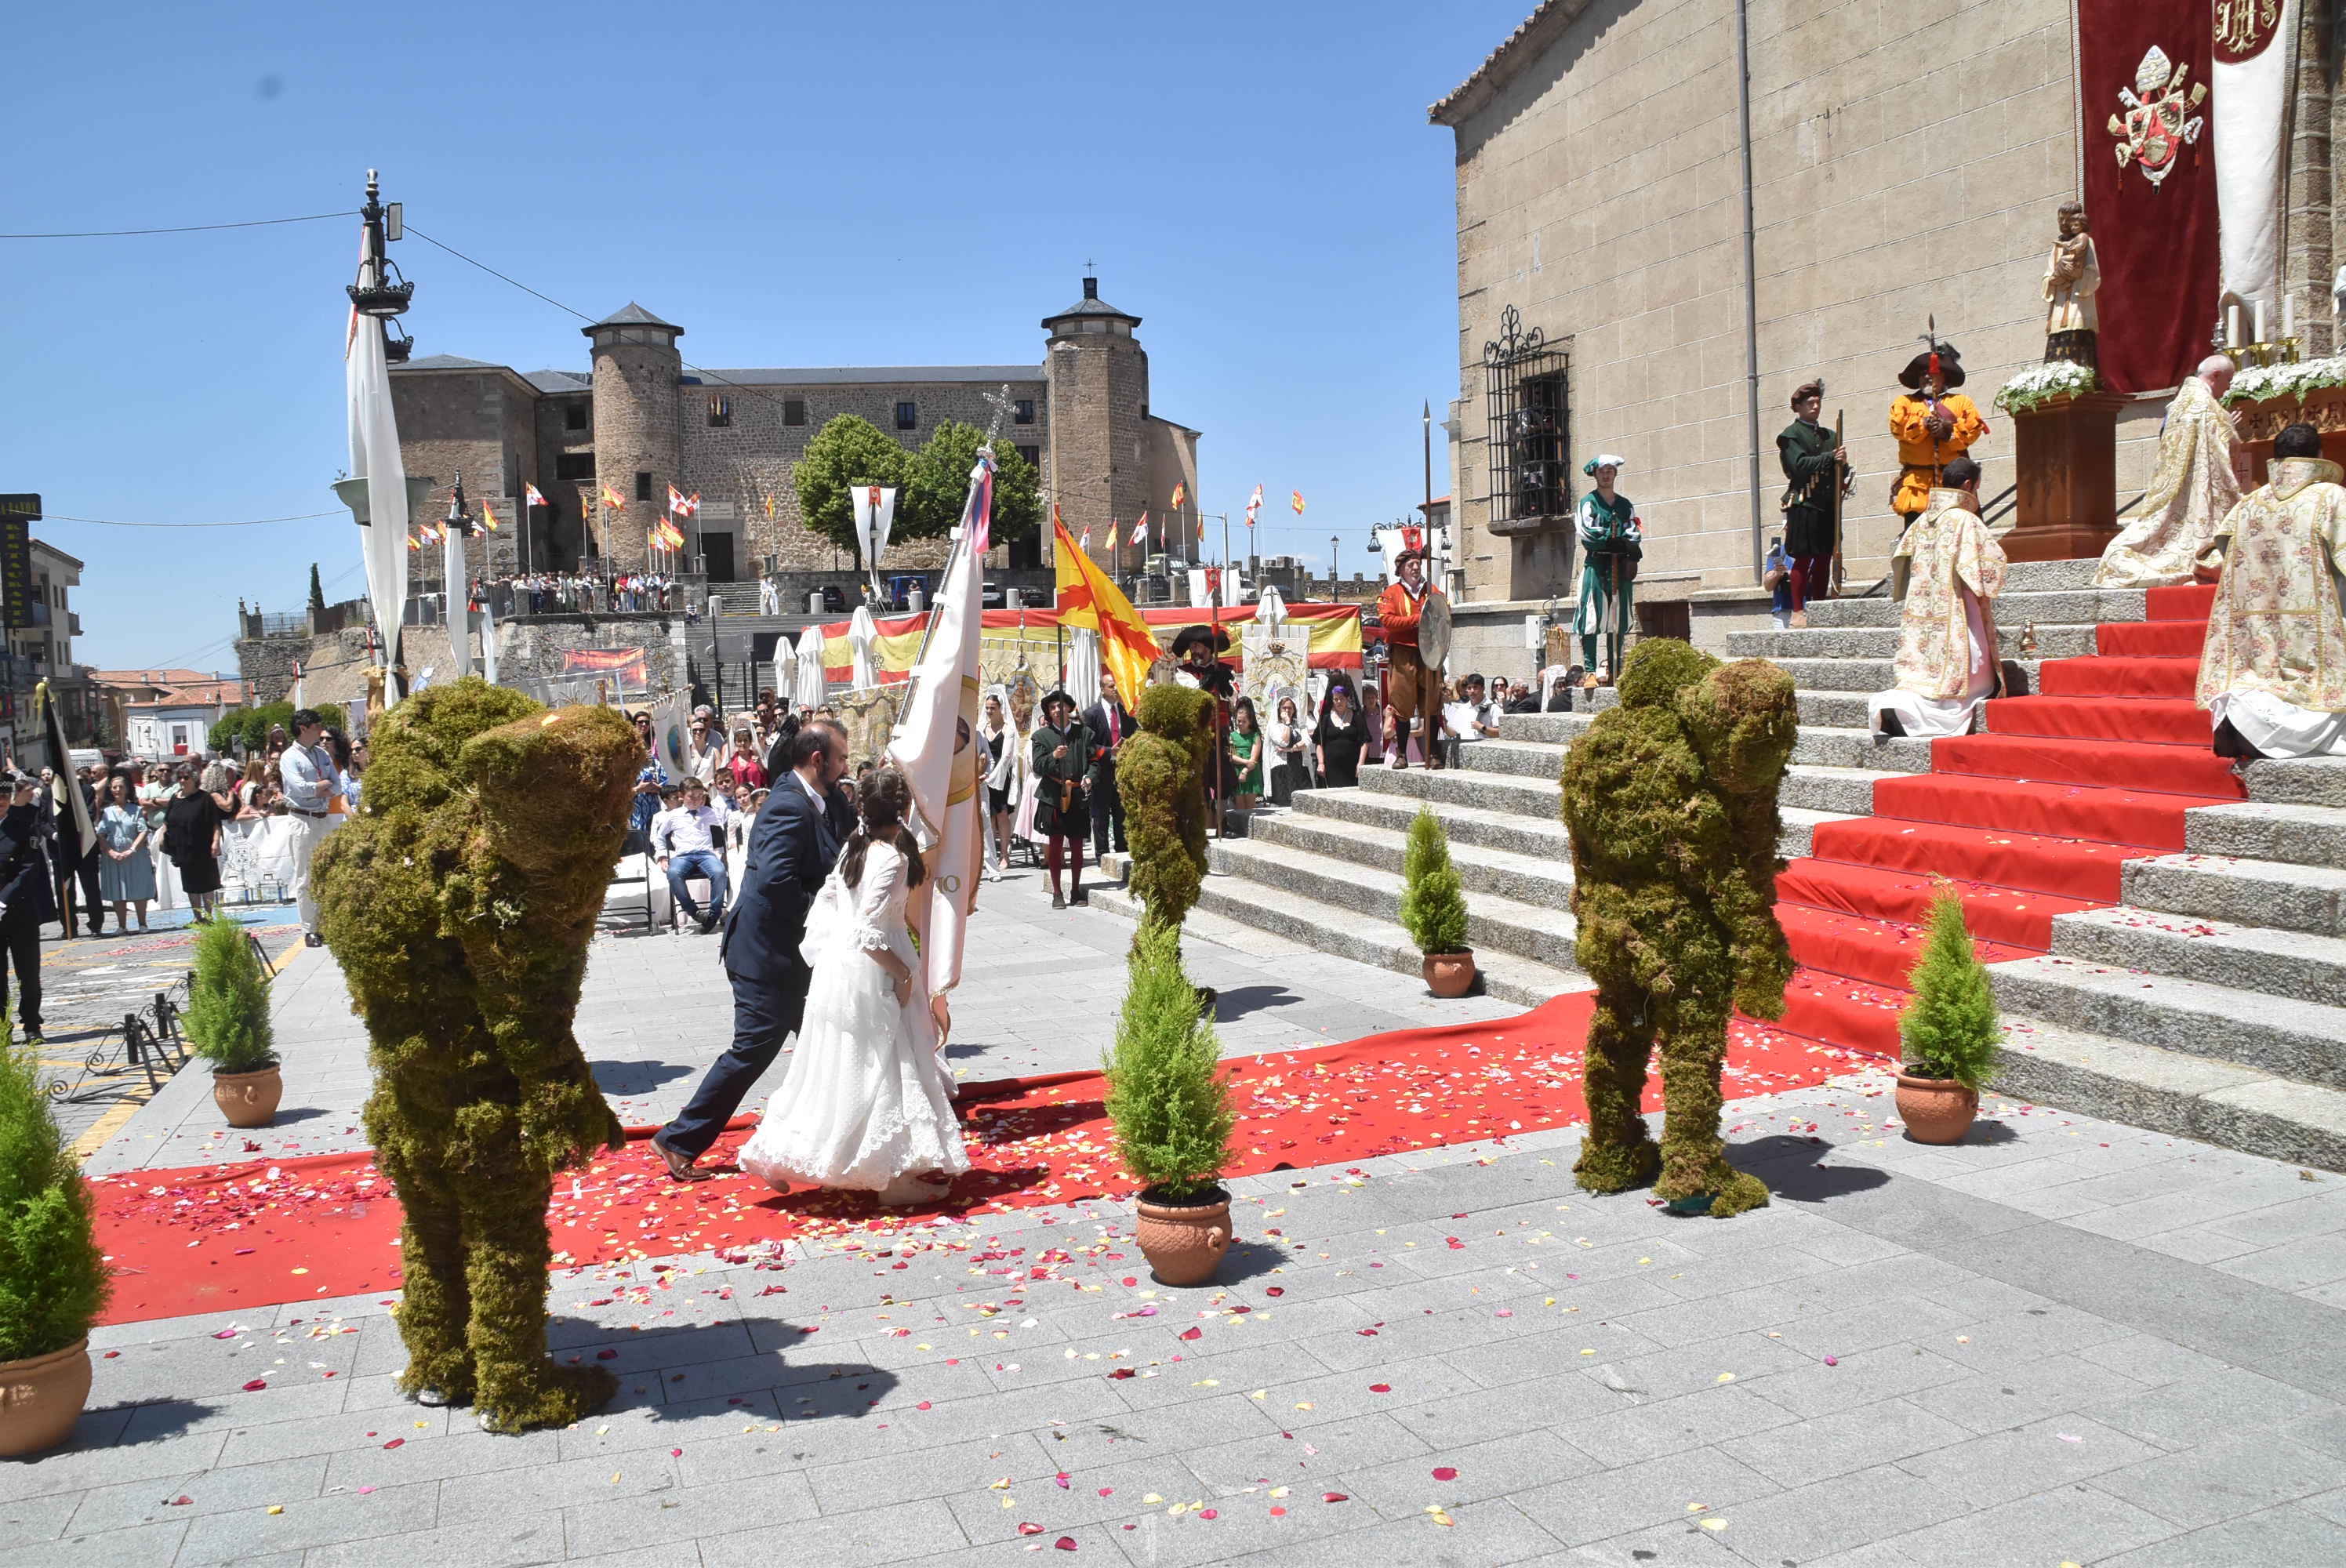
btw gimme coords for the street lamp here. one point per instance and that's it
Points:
(1335, 591)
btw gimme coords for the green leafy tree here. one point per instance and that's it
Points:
(845, 452)
(317, 589)
(1433, 901)
(931, 504)
(1169, 1107)
(250, 726)
(53, 1279)
(1951, 1029)
(228, 1001)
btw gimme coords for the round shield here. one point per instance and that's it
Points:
(1434, 630)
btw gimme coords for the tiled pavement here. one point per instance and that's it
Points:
(2064, 1342)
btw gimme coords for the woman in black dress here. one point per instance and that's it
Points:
(1339, 739)
(191, 839)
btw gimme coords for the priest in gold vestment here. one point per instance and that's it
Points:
(1947, 664)
(2272, 673)
(2191, 494)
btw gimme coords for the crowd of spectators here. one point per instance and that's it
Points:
(555, 593)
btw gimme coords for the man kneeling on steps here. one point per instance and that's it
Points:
(1947, 664)
(2272, 673)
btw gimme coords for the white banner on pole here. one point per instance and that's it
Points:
(2251, 108)
(374, 457)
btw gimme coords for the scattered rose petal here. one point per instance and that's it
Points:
(1381, 1388)
(1832, 1360)
(1335, 1497)
(1445, 1473)
(255, 1386)
(397, 1442)
(1065, 1544)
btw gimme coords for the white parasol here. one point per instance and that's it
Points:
(786, 664)
(808, 692)
(862, 635)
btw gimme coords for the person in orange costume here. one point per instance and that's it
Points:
(1411, 688)
(1934, 425)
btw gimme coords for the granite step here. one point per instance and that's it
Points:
(2057, 607)
(1477, 827)
(1523, 982)
(1528, 795)
(2048, 576)
(2072, 640)
(1543, 880)
(1344, 886)
(2173, 1091)
(2268, 893)
(2282, 1036)
(2269, 830)
(2285, 963)
(2299, 780)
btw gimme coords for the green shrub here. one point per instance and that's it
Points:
(1950, 1030)
(1171, 1109)
(1433, 902)
(248, 727)
(227, 1002)
(1161, 776)
(53, 1279)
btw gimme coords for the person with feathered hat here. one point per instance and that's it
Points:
(1934, 425)
(1612, 541)
(1412, 688)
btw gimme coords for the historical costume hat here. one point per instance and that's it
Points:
(1213, 638)
(1807, 390)
(1408, 552)
(1604, 459)
(1057, 694)
(1950, 366)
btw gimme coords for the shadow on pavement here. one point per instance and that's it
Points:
(1794, 1167)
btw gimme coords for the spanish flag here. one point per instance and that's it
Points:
(611, 499)
(1179, 491)
(488, 518)
(1089, 598)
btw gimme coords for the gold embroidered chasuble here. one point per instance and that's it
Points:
(1947, 546)
(2275, 625)
(2189, 495)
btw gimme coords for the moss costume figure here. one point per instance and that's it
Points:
(1670, 802)
(460, 902)
(1161, 772)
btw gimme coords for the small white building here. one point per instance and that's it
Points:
(166, 713)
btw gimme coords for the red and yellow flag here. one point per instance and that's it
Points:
(1180, 490)
(611, 499)
(1089, 598)
(488, 518)
(1297, 504)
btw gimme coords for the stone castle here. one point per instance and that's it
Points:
(640, 420)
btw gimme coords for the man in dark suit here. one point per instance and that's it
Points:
(1109, 722)
(793, 844)
(26, 901)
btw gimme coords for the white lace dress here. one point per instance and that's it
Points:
(862, 1107)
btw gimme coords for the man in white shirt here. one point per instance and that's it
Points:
(685, 839)
(308, 774)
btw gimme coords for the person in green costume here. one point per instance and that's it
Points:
(460, 902)
(1611, 540)
(1670, 799)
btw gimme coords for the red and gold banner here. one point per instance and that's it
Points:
(2143, 72)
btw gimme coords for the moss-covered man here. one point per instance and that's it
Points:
(460, 902)
(1670, 802)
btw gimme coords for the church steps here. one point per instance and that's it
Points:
(2173, 1091)
(2168, 720)
(1903, 899)
(2023, 862)
(1822, 746)
(1531, 795)
(2299, 780)
(1867, 948)
(2152, 639)
(2053, 641)
(1861, 677)
(2129, 680)
(2056, 606)
(1226, 905)
(2268, 831)
(2221, 953)
(2048, 576)
(2139, 764)
(1492, 921)
(2279, 897)
(2149, 823)
(1541, 880)
(2291, 1038)
(1520, 832)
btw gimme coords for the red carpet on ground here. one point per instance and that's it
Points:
(246, 1236)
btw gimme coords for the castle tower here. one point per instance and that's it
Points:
(638, 426)
(1098, 469)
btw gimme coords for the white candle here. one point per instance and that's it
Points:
(2289, 315)
(2232, 326)
(2260, 306)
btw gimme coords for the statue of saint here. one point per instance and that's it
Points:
(2071, 279)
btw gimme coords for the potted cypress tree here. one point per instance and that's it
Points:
(1171, 1113)
(1950, 1033)
(52, 1279)
(228, 1024)
(1434, 907)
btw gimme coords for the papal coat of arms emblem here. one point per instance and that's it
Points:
(2159, 121)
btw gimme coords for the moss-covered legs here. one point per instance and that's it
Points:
(506, 1251)
(1617, 1154)
(434, 1306)
(1693, 1037)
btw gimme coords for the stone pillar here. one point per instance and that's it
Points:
(2310, 242)
(2067, 454)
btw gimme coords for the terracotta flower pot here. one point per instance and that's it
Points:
(1935, 1110)
(41, 1398)
(1184, 1242)
(1450, 974)
(248, 1099)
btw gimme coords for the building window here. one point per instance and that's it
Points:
(1528, 389)
(794, 410)
(1033, 454)
(574, 465)
(720, 411)
(574, 416)
(1023, 412)
(643, 484)
(907, 416)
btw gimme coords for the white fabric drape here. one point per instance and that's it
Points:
(374, 457)
(808, 692)
(862, 635)
(2249, 108)
(786, 661)
(1082, 682)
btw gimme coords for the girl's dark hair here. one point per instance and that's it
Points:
(881, 797)
(1244, 705)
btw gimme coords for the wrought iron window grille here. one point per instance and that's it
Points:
(1527, 387)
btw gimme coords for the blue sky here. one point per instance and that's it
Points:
(914, 183)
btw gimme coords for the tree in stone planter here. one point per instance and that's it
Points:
(228, 1001)
(1433, 901)
(1161, 775)
(52, 1279)
(1169, 1107)
(1951, 1029)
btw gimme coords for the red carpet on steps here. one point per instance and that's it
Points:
(245, 1238)
(2032, 818)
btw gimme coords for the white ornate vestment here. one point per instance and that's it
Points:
(1948, 546)
(2191, 494)
(2275, 625)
